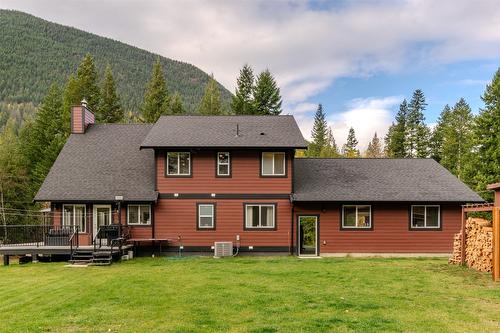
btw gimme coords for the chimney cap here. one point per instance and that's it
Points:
(84, 102)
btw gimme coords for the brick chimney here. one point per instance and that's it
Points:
(81, 118)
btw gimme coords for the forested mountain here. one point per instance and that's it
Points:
(35, 53)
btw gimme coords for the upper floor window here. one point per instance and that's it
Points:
(356, 217)
(74, 215)
(178, 164)
(273, 164)
(223, 164)
(139, 214)
(425, 217)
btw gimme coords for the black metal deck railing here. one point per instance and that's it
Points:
(37, 235)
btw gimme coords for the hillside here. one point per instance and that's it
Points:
(34, 53)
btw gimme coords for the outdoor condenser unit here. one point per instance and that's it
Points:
(223, 249)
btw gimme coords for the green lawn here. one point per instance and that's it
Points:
(249, 294)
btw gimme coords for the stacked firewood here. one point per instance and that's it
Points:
(478, 245)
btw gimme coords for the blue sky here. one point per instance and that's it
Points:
(358, 58)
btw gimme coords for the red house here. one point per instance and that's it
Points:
(197, 180)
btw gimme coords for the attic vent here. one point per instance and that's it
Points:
(223, 249)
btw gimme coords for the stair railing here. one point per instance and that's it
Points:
(74, 241)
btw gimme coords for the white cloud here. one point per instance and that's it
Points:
(366, 116)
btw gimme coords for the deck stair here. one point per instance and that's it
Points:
(90, 257)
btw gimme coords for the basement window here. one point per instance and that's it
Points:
(139, 214)
(206, 216)
(260, 216)
(178, 164)
(425, 217)
(223, 164)
(356, 217)
(273, 164)
(74, 215)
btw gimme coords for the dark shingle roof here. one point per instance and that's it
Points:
(102, 163)
(220, 131)
(404, 180)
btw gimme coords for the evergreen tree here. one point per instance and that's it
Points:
(46, 132)
(436, 140)
(330, 149)
(87, 79)
(374, 149)
(266, 95)
(242, 102)
(110, 108)
(156, 97)
(175, 106)
(395, 138)
(319, 133)
(457, 139)
(350, 147)
(211, 103)
(485, 161)
(417, 133)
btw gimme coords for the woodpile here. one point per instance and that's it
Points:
(478, 245)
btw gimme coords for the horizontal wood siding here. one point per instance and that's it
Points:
(174, 218)
(390, 232)
(245, 175)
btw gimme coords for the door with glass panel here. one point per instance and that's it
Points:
(102, 216)
(308, 235)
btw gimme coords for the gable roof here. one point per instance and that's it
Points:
(221, 131)
(370, 180)
(102, 163)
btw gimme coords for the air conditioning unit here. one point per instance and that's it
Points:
(223, 249)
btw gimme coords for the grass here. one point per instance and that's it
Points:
(249, 294)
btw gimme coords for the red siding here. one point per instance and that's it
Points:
(245, 175)
(76, 119)
(175, 218)
(390, 232)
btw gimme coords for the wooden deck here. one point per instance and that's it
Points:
(20, 249)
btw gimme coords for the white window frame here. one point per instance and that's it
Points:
(228, 163)
(138, 214)
(64, 223)
(273, 173)
(179, 163)
(248, 223)
(356, 227)
(211, 215)
(425, 217)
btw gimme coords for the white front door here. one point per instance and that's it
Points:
(102, 216)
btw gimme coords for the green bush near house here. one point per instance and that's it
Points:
(249, 294)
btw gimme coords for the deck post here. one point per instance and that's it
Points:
(6, 260)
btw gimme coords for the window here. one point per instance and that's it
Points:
(74, 215)
(425, 217)
(139, 215)
(260, 216)
(223, 164)
(273, 164)
(178, 163)
(206, 216)
(357, 217)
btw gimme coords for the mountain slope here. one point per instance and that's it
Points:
(35, 53)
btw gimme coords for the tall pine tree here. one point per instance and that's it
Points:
(318, 134)
(374, 149)
(110, 110)
(156, 98)
(266, 95)
(436, 140)
(87, 80)
(395, 138)
(417, 133)
(457, 139)
(350, 147)
(211, 103)
(330, 149)
(242, 102)
(175, 106)
(485, 162)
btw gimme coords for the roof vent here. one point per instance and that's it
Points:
(262, 133)
(237, 130)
